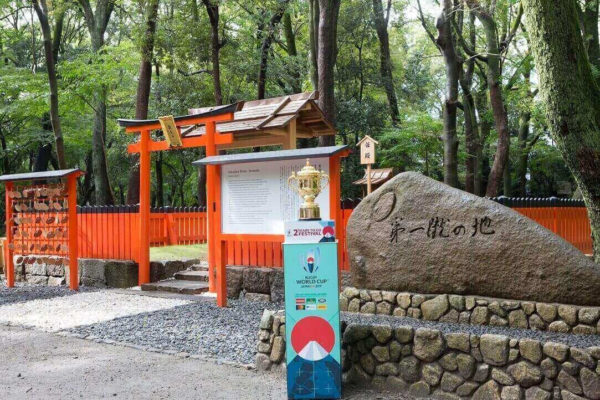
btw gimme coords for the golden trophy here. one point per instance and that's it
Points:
(308, 185)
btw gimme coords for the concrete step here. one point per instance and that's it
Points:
(177, 286)
(201, 276)
(199, 267)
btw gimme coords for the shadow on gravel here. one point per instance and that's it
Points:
(22, 292)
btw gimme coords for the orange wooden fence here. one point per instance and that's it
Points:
(111, 232)
(570, 223)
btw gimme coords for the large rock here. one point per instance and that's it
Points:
(416, 234)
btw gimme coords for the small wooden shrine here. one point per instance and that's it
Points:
(41, 221)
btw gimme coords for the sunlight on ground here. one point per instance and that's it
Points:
(178, 252)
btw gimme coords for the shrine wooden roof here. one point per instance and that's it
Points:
(272, 116)
(378, 176)
(44, 175)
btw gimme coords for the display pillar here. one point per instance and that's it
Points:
(312, 310)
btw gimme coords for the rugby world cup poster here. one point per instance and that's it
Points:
(312, 320)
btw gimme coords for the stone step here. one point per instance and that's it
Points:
(201, 276)
(177, 286)
(199, 267)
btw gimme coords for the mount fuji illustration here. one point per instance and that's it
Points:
(314, 379)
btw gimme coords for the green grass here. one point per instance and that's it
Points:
(178, 252)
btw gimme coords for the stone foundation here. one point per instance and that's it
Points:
(97, 272)
(474, 310)
(259, 283)
(428, 362)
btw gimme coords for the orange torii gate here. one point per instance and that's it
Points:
(269, 122)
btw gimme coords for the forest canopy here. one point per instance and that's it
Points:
(448, 88)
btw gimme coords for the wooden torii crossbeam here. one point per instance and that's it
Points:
(269, 122)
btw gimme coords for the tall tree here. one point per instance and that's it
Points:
(466, 73)
(570, 94)
(212, 9)
(268, 36)
(494, 49)
(143, 93)
(291, 49)
(313, 33)
(51, 47)
(589, 28)
(446, 44)
(327, 53)
(97, 21)
(381, 21)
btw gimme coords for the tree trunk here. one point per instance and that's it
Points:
(494, 82)
(212, 10)
(265, 47)
(385, 59)
(590, 31)
(313, 31)
(328, 16)
(446, 43)
(471, 126)
(570, 95)
(50, 54)
(523, 152)
(290, 42)
(143, 96)
(481, 103)
(96, 23)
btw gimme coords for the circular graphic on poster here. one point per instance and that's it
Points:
(313, 338)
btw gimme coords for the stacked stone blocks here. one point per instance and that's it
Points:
(474, 310)
(428, 362)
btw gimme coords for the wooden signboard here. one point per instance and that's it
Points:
(367, 156)
(170, 130)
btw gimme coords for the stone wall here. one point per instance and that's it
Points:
(428, 362)
(96, 272)
(259, 283)
(474, 310)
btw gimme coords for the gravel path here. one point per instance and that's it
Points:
(39, 365)
(580, 341)
(226, 334)
(84, 308)
(24, 292)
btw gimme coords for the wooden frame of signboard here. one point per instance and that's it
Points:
(334, 154)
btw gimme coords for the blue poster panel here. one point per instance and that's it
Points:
(312, 320)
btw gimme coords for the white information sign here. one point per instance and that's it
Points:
(256, 198)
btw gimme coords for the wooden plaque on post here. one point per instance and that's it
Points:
(170, 130)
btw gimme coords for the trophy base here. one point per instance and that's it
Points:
(310, 214)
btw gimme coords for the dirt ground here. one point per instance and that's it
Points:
(40, 365)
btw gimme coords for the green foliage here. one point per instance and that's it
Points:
(182, 80)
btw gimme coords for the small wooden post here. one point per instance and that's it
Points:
(368, 179)
(10, 266)
(367, 156)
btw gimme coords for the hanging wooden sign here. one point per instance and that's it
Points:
(170, 131)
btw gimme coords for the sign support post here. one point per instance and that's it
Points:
(313, 345)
